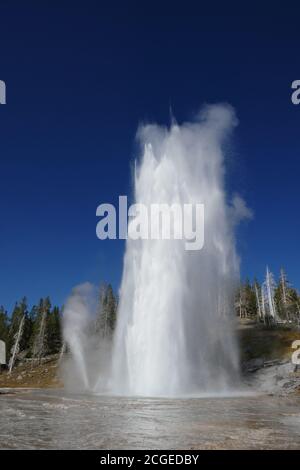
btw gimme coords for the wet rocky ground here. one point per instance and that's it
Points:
(33, 374)
(36, 413)
(53, 419)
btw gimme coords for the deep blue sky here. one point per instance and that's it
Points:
(80, 77)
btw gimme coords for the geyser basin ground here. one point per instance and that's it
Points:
(54, 420)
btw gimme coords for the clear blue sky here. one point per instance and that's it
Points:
(80, 77)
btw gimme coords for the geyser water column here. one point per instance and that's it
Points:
(175, 333)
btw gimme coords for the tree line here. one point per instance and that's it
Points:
(36, 333)
(270, 302)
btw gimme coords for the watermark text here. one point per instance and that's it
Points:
(152, 222)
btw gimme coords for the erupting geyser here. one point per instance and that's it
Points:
(175, 326)
(175, 321)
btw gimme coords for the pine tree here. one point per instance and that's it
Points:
(259, 309)
(15, 319)
(107, 311)
(101, 316)
(27, 329)
(286, 299)
(54, 341)
(39, 347)
(246, 301)
(20, 311)
(263, 304)
(17, 343)
(250, 299)
(112, 309)
(4, 328)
